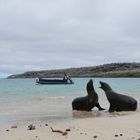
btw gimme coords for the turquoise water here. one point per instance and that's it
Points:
(22, 100)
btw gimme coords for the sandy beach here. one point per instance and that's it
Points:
(116, 127)
(69, 70)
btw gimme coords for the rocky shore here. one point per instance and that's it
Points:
(106, 70)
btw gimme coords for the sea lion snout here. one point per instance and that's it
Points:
(90, 86)
(91, 81)
(104, 86)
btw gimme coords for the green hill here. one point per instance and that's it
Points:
(106, 70)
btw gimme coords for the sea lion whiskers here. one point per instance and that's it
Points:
(105, 86)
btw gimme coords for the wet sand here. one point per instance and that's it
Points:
(117, 126)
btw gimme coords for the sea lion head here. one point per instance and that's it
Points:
(104, 86)
(90, 88)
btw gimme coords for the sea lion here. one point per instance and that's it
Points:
(86, 103)
(118, 102)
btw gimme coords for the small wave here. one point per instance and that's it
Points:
(57, 97)
(8, 111)
(37, 99)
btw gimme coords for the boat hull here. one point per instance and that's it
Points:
(53, 81)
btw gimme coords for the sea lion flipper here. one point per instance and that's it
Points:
(99, 107)
(111, 109)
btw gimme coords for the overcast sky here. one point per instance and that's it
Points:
(53, 34)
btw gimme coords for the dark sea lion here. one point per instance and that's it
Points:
(118, 102)
(86, 103)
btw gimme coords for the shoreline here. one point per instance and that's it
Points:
(75, 115)
(122, 127)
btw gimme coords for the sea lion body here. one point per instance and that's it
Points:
(118, 102)
(82, 103)
(86, 103)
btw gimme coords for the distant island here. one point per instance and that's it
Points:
(106, 70)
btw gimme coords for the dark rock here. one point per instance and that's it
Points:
(94, 136)
(121, 134)
(67, 129)
(14, 126)
(31, 127)
(116, 135)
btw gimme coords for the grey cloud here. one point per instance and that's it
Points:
(49, 34)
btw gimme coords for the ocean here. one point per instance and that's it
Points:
(22, 101)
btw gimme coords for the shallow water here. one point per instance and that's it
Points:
(22, 101)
